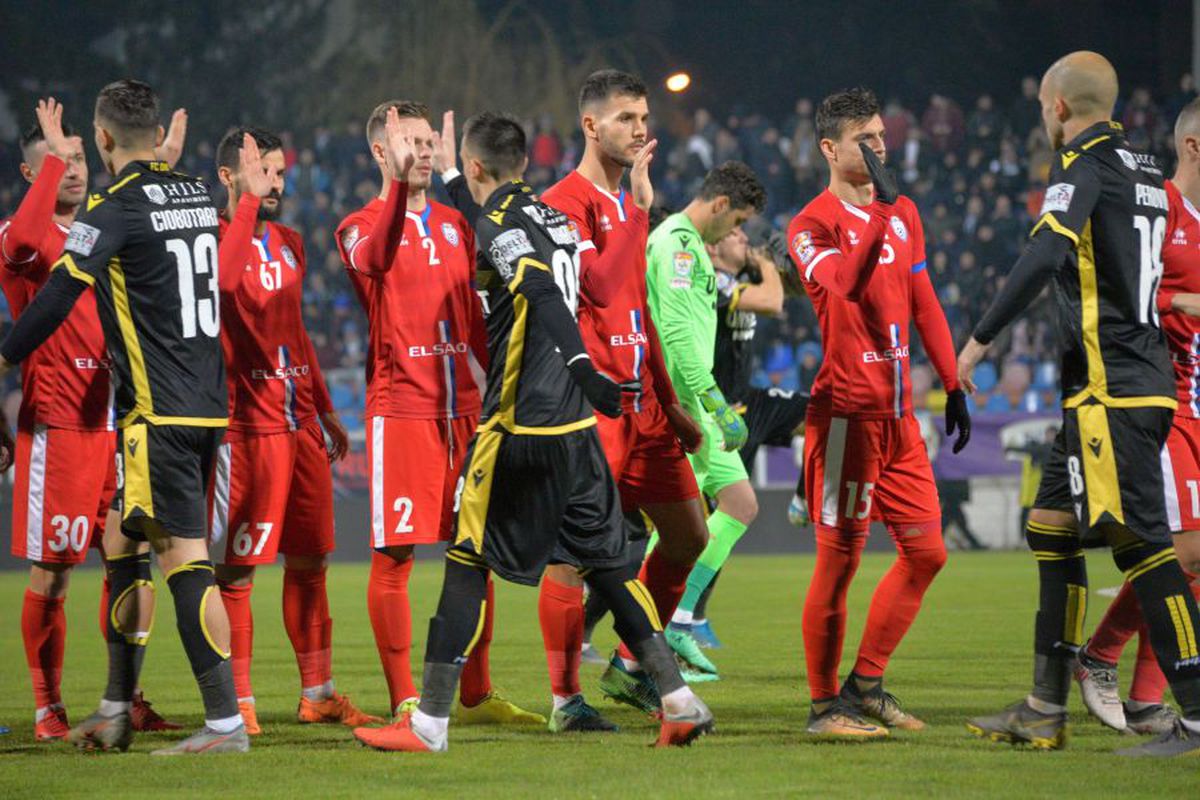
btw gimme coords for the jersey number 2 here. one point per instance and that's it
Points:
(1150, 266)
(198, 259)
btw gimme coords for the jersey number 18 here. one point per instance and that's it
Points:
(1150, 265)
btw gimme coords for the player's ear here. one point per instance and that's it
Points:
(828, 149)
(159, 135)
(225, 176)
(720, 204)
(27, 172)
(588, 124)
(1062, 112)
(1191, 146)
(524, 165)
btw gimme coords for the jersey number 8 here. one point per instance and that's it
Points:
(198, 259)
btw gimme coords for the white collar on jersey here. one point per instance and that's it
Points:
(1191, 208)
(616, 200)
(856, 211)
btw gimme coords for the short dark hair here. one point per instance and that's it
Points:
(229, 150)
(734, 180)
(498, 141)
(33, 134)
(849, 105)
(603, 84)
(130, 110)
(405, 108)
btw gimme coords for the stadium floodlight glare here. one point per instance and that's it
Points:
(679, 82)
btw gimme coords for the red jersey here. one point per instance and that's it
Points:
(275, 382)
(1181, 273)
(65, 382)
(865, 371)
(422, 308)
(616, 334)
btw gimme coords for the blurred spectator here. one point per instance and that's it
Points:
(942, 123)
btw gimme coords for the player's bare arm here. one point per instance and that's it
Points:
(765, 297)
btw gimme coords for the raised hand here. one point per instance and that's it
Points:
(49, 117)
(445, 155)
(886, 188)
(639, 176)
(253, 176)
(171, 149)
(399, 149)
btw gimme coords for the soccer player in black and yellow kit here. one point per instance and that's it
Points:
(1099, 237)
(536, 486)
(148, 247)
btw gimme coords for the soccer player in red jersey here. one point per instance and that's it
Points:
(66, 440)
(274, 487)
(643, 446)
(860, 249)
(412, 263)
(1178, 307)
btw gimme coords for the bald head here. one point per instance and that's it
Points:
(1085, 81)
(1188, 122)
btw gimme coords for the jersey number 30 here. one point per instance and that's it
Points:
(198, 258)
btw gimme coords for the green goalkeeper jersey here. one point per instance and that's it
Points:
(682, 291)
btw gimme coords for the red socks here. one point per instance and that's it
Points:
(306, 618)
(236, 598)
(1120, 622)
(824, 621)
(44, 629)
(666, 581)
(391, 620)
(475, 684)
(1149, 683)
(560, 609)
(897, 598)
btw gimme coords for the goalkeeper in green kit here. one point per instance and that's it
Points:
(682, 290)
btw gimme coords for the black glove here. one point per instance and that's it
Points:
(601, 392)
(886, 188)
(958, 417)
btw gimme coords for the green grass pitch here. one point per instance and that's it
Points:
(969, 652)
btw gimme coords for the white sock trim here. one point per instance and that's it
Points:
(678, 701)
(225, 725)
(110, 708)
(432, 730)
(681, 617)
(561, 700)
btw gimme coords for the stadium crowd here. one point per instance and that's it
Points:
(976, 169)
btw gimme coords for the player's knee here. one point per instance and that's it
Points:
(130, 586)
(50, 580)
(397, 553)
(308, 563)
(1050, 536)
(190, 585)
(739, 502)
(234, 574)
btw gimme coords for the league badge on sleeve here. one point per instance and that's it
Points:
(349, 237)
(450, 233)
(1058, 198)
(803, 247)
(82, 238)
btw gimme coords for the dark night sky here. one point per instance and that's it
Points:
(765, 54)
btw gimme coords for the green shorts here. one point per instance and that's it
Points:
(715, 469)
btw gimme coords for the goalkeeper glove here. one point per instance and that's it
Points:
(886, 188)
(733, 427)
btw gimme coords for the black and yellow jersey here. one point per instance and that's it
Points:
(1108, 201)
(529, 389)
(148, 245)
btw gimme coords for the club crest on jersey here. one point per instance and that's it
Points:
(899, 229)
(155, 193)
(289, 257)
(803, 247)
(605, 223)
(1058, 198)
(349, 237)
(450, 233)
(1179, 237)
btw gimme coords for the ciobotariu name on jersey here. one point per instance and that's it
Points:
(890, 354)
(279, 373)
(174, 219)
(628, 340)
(438, 349)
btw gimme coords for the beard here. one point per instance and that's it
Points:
(268, 213)
(616, 153)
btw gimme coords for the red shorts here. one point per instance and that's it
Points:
(1181, 474)
(64, 484)
(646, 459)
(271, 493)
(857, 470)
(415, 465)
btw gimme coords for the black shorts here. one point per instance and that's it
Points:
(1105, 467)
(163, 476)
(523, 499)
(772, 416)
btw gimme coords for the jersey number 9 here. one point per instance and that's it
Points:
(191, 261)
